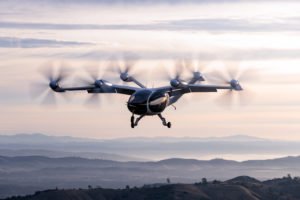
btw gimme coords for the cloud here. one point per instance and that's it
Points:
(139, 2)
(212, 25)
(123, 2)
(10, 42)
(224, 54)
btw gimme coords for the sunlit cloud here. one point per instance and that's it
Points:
(211, 25)
(8, 42)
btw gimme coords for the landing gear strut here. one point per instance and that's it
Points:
(134, 122)
(164, 122)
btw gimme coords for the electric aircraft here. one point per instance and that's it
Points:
(143, 101)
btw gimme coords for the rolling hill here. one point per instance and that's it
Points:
(239, 188)
(26, 174)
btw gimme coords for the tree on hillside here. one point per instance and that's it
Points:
(204, 181)
(168, 180)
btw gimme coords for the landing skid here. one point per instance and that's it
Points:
(134, 122)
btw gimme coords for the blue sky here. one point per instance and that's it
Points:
(262, 35)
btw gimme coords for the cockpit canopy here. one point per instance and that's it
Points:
(158, 101)
(140, 97)
(148, 102)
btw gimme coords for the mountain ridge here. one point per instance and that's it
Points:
(236, 147)
(163, 138)
(169, 160)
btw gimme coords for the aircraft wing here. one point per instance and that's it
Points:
(177, 93)
(99, 87)
(193, 88)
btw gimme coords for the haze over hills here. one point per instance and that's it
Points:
(39, 137)
(31, 162)
(25, 175)
(236, 147)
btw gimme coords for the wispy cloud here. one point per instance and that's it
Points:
(214, 25)
(10, 42)
(141, 2)
(224, 54)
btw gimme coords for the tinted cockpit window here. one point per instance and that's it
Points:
(140, 97)
(138, 102)
(158, 101)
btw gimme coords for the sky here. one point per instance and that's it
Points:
(258, 35)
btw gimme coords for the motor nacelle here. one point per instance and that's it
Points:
(235, 84)
(125, 77)
(103, 85)
(176, 83)
(55, 86)
(198, 76)
(99, 83)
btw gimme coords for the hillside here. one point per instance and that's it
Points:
(240, 188)
(26, 174)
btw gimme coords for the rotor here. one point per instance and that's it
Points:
(232, 76)
(93, 76)
(197, 70)
(175, 76)
(179, 75)
(124, 68)
(52, 77)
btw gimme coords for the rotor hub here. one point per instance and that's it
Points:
(98, 83)
(175, 83)
(235, 84)
(53, 84)
(125, 77)
(199, 76)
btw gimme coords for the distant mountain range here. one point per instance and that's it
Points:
(27, 174)
(31, 162)
(42, 138)
(39, 138)
(141, 148)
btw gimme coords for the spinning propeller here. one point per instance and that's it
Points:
(127, 71)
(175, 76)
(94, 77)
(52, 77)
(232, 76)
(196, 70)
(124, 68)
(176, 80)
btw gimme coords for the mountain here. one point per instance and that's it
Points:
(42, 138)
(39, 138)
(237, 147)
(248, 189)
(56, 147)
(26, 174)
(61, 154)
(189, 139)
